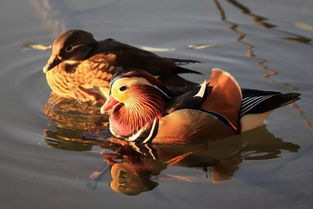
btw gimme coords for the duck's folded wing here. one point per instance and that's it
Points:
(190, 99)
(220, 96)
(129, 56)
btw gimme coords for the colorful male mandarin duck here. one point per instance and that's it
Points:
(143, 110)
(80, 66)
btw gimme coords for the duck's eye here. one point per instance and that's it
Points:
(69, 48)
(123, 88)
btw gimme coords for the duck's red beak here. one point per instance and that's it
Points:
(111, 102)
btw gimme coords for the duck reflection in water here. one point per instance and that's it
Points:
(74, 115)
(140, 168)
(137, 169)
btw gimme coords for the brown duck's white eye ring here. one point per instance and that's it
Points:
(123, 88)
(69, 48)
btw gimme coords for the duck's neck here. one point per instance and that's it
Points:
(127, 120)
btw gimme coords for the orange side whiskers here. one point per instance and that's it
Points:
(146, 105)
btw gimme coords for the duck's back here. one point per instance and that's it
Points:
(128, 57)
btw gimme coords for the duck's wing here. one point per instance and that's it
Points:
(257, 105)
(220, 96)
(190, 97)
(224, 98)
(129, 56)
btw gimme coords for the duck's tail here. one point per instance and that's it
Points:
(180, 62)
(183, 61)
(257, 105)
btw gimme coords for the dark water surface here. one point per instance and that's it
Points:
(265, 44)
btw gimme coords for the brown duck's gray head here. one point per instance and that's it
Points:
(70, 47)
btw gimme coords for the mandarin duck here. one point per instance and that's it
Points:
(80, 66)
(143, 110)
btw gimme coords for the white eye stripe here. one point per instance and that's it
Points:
(71, 48)
(128, 82)
(77, 46)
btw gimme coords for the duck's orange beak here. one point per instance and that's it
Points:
(111, 102)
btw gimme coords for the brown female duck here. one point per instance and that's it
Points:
(79, 65)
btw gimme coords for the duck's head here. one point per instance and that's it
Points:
(70, 47)
(136, 98)
(133, 88)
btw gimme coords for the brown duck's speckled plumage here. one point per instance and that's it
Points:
(73, 81)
